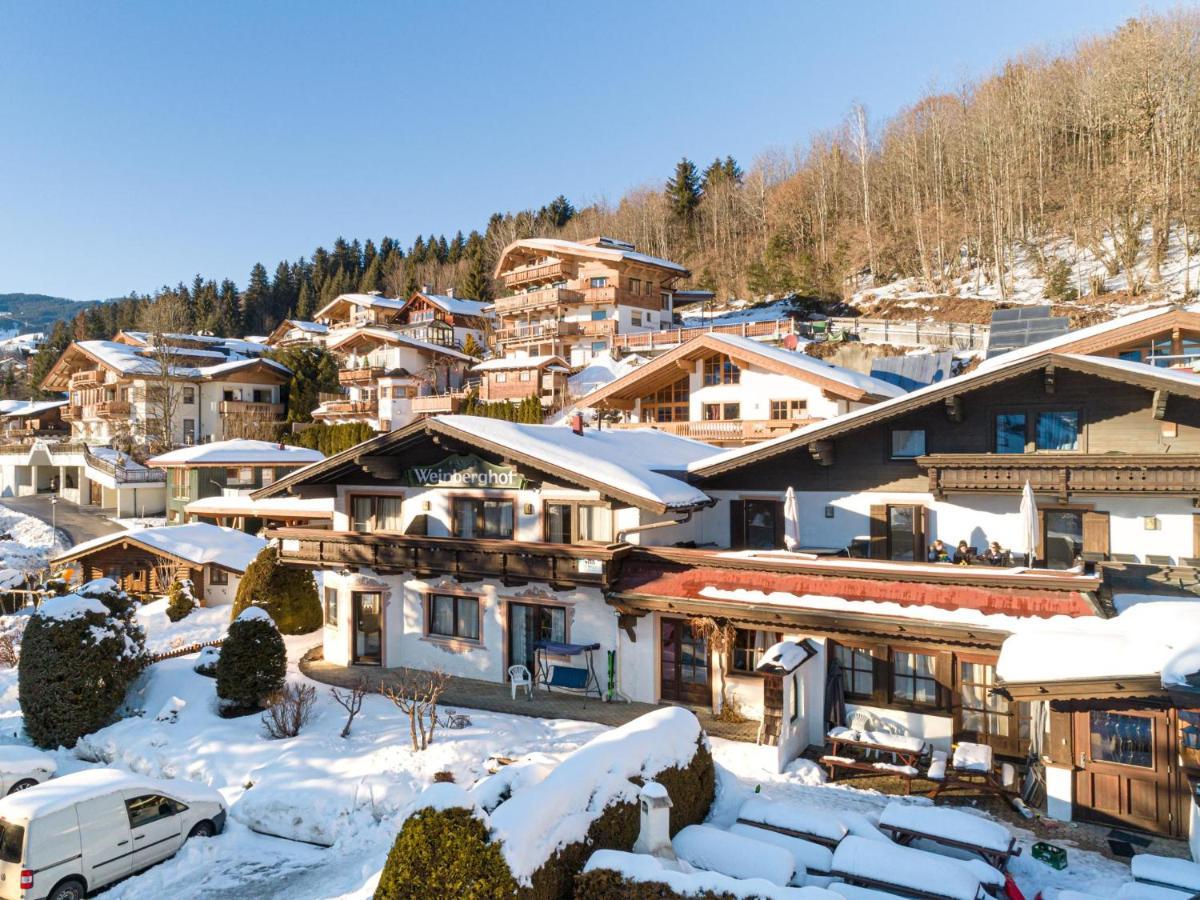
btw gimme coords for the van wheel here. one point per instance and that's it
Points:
(22, 785)
(203, 829)
(71, 889)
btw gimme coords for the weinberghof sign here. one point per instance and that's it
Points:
(465, 470)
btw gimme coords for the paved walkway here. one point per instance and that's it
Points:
(470, 693)
(77, 523)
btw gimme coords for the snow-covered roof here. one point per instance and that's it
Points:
(60, 793)
(501, 363)
(602, 370)
(197, 542)
(913, 399)
(1156, 637)
(1071, 337)
(268, 507)
(129, 359)
(559, 247)
(458, 306)
(641, 462)
(238, 452)
(314, 327)
(366, 301)
(387, 336)
(116, 457)
(805, 364)
(25, 408)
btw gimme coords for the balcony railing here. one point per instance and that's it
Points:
(536, 332)
(514, 562)
(87, 379)
(348, 408)
(250, 408)
(549, 272)
(362, 375)
(542, 299)
(109, 409)
(598, 327)
(136, 475)
(434, 404)
(72, 413)
(1062, 474)
(729, 431)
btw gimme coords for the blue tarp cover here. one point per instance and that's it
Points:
(558, 649)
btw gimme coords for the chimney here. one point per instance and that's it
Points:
(426, 289)
(577, 423)
(450, 292)
(654, 836)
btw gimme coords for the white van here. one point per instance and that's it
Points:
(70, 836)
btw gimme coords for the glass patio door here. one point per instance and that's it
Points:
(367, 639)
(529, 623)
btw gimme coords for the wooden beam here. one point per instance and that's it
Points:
(1048, 379)
(1159, 405)
(822, 452)
(954, 408)
(685, 365)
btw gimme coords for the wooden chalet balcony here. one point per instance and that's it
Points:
(1063, 474)
(72, 413)
(434, 404)
(729, 431)
(109, 409)
(538, 331)
(363, 375)
(555, 271)
(514, 562)
(598, 327)
(617, 296)
(90, 378)
(543, 299)
(250, 408)
(348, 408)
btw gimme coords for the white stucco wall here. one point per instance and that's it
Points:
(220, 594)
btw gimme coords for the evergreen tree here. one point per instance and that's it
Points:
(559, 212)
(477, 284)
(229, 311)
(253, 661)
(683, 190)
(372, 278)
(314, 371)
(457, 246)
(304, 304)
(732, 170)
(255, 300)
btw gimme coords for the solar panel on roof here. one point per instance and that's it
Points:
(1021, 326)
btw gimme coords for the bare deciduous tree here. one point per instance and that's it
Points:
(350, 700)
(416, 693)
(162, 320)
(719, 635)
(289, 710)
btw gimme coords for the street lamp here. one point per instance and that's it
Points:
(54, 514)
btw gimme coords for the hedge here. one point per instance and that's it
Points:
(288, 594)
(604, 884)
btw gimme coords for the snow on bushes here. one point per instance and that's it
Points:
(79, 654)
(288, 594)
(181, 599)
(252, 664)
(546, 831)
(637, 876)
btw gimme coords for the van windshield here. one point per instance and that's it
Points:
(11, 838)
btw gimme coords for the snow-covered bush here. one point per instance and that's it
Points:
(181, 599)
(288, 594)
(546, 832)
(206, 662)
(252, 664)
(80, 652)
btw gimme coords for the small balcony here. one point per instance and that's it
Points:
(515, 562)
(91, 378)
(363, 375)
(334, 408)
(598, 327)
(110, 409)
(543, 299)
(72, 413)
(437, 404)
(251, 408)
(537, 331)
(733, 432)
(555, 271)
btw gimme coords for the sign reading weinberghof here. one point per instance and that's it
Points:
(465, 470)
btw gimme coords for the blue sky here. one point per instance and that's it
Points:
(142, 142)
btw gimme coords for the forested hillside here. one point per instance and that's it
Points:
(1000, 188)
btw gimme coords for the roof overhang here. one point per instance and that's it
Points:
(125, 540)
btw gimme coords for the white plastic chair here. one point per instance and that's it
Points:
(519, 676)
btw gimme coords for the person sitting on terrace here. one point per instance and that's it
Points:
(938, 552)
(963, 555)
(994, 555)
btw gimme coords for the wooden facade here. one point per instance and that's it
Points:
(137, 570)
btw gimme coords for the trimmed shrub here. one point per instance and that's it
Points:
(287, 594)
(252, 664)
(445, 853)
(603, 884)
(181, 599)
(78, 658)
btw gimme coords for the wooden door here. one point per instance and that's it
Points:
(686, 671)
(1123, 774)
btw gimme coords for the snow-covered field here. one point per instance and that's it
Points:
(26, 543)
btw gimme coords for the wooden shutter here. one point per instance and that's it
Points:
(1059, 747)
(1095, 532)
(779, 523)
(945, 675)
(879, 532)
(919, 530)
(737, 524)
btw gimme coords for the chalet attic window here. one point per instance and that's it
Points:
(1010, 433)
(569, 523)
(598, 282)
(501, 377)
(721, 370)
(789, 409)
(1053, 430)
(375, 513)
(525, 374)
(908, 443)
(635, 285)
(668, 404)
(477, 517)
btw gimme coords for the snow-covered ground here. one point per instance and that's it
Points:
(140, 522)
(314, 816)
(26, 544)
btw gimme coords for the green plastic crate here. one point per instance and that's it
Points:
(1056, 857)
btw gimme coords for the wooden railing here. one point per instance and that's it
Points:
(537, 300)
(108, 409)
(1062, 474)
(71, 413)
(251, 408)
(432, 404)
(513, 561)
(362, 375)
(536, 273)
(348, 408)
(598, 327)
(729, 431)
(536, 331)
(87, 379)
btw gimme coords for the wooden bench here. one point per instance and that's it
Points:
(904, 870)
(903, 772)
(970, 768)
(905, 757)
(793, 820)
(950, 828)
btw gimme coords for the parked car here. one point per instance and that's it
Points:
(73, 835)
(23, 767)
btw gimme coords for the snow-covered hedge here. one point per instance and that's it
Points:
(545, 832)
